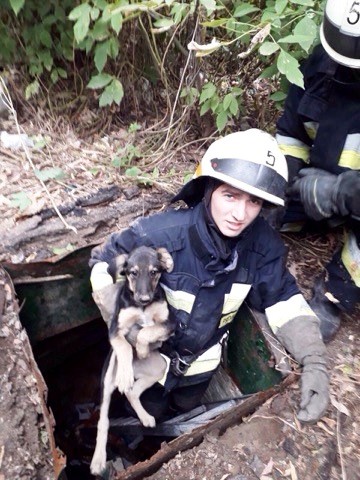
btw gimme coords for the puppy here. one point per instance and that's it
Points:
(138, 327)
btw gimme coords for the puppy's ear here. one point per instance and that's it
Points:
(117, 266)
(165, 259)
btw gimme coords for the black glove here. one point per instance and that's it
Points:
(315, 187)
(347, 194)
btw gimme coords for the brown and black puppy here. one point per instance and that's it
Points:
(141, 302)
(138, 327)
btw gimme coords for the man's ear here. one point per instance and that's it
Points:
(117, 266)
(165, 259)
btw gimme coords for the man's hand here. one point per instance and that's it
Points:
(315, 187)
(314, 393)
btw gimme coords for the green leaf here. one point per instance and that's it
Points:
(99, 81)
(205, 107)
(268, 48)
(210, 6)
(112, 93)
(94, 14)
(245, 9)
(32, 89)
(221, 121)
(269, 72)
(307, 3)
(278, 96)
(230, 104)
(280, 6)
(100, 30)
(207, 92)
(20, 200)
(116, 22)
(100, 57)
(289, 66)
(49, 173)
(114, 47)
(45, 38)
(82, 10)
(81, 28)
(17, 5)
(133, 172)
(295, 39)
(308, 27)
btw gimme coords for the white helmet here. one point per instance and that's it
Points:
(250, 161)
(340, 32)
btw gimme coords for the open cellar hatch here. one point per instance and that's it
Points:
(69, 342)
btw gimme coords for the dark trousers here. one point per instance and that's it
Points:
(340, 283)
(164, 405)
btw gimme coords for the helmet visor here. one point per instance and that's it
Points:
(256, 175)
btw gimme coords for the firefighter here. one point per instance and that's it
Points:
(319, 133)
(224, 252)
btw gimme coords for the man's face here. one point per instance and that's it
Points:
(233, 210)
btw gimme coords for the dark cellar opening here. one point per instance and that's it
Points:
(71, 364)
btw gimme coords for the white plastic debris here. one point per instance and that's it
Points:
(15, 141)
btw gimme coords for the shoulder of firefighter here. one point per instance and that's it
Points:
(204, 294)
(320, 124)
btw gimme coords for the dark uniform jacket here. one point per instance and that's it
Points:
(321, 124)
(204, 291)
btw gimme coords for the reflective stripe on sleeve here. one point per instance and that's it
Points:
(179, 299)
(100, 277)
(206, 362)
(350, 156)
(235, 297)
(292, 146)
(167, 360)
(311, 129)
(283, 312)
(350, 257)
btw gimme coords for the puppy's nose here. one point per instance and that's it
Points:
(144, 299)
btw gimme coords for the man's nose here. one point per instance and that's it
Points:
(239, 210)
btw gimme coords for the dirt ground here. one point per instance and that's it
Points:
(270, 444)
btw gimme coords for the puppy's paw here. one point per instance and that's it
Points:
(125, 380)
(98, 464)
(147, 420)
(142, 351)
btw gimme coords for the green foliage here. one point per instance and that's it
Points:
(47, 37)
(20, 200)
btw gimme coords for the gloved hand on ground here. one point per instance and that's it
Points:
(314, 392)
(302, 339)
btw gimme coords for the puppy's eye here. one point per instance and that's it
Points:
(153, 273)
(133, 273)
